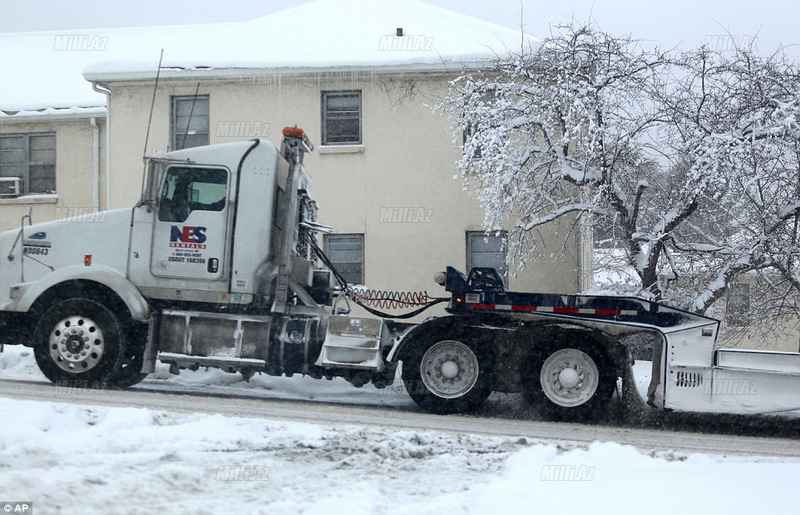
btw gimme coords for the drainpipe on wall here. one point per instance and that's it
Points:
(100, 88)
(95, 165)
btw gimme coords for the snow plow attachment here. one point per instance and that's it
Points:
(689, 372)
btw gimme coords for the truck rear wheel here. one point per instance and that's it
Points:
(79, 341)
(448, 376)
(574, 381)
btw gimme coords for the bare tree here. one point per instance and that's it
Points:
(689, 161)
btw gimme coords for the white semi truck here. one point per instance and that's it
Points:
(217, 266)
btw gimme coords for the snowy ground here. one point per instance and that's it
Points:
(97, 460)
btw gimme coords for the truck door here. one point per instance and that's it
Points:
(190, 231)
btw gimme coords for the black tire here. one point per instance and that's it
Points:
(464, 384)
(79, 342)
(129, 373)
(572, 380)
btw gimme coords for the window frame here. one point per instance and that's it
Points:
(503, 251)
(325, 117)
(28, 163)
(173, 125)
(168, 207)
(361, 261)
(737, 305)
(467, 131)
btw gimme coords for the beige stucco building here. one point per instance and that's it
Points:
(364, 90)
(51, 164)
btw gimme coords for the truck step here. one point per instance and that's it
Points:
(353, 342)
(351, 352)
(226, 363)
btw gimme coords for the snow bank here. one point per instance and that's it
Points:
(95, 460)
(69, 458)
(612, 478)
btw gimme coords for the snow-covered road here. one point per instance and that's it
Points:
(490, 423)
(206, 442)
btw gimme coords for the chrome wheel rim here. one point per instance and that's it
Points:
(569, 377)
(449, 369)
(76, 344)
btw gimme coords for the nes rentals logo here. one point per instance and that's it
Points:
(188, 237)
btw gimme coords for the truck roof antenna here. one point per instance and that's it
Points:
(150, 121)
(153, 103)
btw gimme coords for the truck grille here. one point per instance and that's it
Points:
(689, 380)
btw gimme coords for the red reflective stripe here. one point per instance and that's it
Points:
(608, 311)
(524, 308)
(566, 310)
(481, 306)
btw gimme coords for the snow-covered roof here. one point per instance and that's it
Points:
(52, 69)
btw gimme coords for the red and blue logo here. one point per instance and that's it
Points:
(187, 237)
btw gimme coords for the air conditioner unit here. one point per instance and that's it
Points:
(9, 187)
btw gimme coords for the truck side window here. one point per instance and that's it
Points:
(188, 189)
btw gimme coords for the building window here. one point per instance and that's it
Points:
(737, 305)
(466, 135)
(189, 126)
(341, 117)
(27, 164)
(346, 252)
(487, 250)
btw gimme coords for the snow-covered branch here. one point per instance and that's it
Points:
(689, 162)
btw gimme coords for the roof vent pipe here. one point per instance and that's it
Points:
(399, 32)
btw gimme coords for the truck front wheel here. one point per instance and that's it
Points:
(570, 382)
(129, 373)
(79, 341)
(448, 376)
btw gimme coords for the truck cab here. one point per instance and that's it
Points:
(210, 224)
(212, 267)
